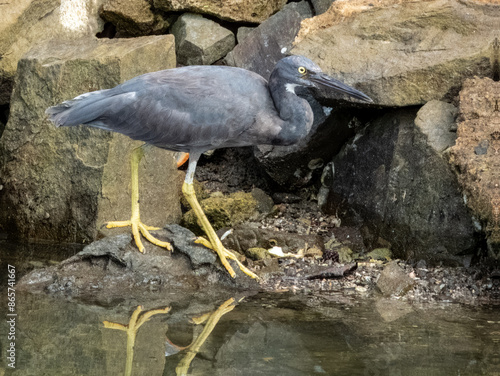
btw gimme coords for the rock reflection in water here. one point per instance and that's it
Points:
(262, 335)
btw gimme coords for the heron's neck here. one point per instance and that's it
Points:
(295, 112)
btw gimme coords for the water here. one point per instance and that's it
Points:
(264, 334)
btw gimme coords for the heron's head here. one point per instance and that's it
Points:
(301, 71)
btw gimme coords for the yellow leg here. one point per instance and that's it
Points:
(214, 242)
(138, 227)
(183, 366)
(135, 322)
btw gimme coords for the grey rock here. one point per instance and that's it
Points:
(200, 41)
(437, 120)
(114, 267)
(269, 42)
(321, 6)
(243, 32)
(63, 184)
(389, 179)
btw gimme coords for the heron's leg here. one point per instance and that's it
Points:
(136, 320)
(138, 227)
(211, 321)
(213, 242)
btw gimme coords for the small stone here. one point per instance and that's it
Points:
(393, 280)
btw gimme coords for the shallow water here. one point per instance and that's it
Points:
(264, 334)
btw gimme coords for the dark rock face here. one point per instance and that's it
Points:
(295, 166)
(390, 180)
(476, 155)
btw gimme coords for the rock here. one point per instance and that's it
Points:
(61, 184)
(27, 23)
(383, 254)
(321, 6)
(389, 180)
(437, 120)
(393, 280)
(200, 41)
(254, 11)
(243, 32)
(345, 254)
(475, 155)
(295, 166)
(133, 18)
(270, 41)
(257, 253)
(402, 53)
(336, 271)
(229, 211)
(114, 266)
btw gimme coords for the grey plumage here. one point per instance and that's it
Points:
(197, 108)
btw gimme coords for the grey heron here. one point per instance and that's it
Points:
(194, 109)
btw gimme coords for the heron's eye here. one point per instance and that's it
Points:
(302, 70)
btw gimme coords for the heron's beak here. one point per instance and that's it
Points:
(323, 80)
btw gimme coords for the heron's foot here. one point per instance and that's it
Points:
(227, 254)
(139, 228)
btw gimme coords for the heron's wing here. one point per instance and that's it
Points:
(182, 109)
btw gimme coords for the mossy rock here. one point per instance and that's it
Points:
(228, 211)
(383, 254)
(257, 253)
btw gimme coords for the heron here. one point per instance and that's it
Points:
(194, 109)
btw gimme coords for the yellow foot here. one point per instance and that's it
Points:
(228, 254)
(139, 228)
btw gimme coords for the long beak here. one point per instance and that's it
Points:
(323, 80)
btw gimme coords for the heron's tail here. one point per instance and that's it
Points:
(76, 111)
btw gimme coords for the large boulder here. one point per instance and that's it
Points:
(254, 11)
(476, 155)
(403, 53)
(297, 165)
(393, 183)
(62, 184)
(26, 23)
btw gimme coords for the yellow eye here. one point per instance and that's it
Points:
(302, 70)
